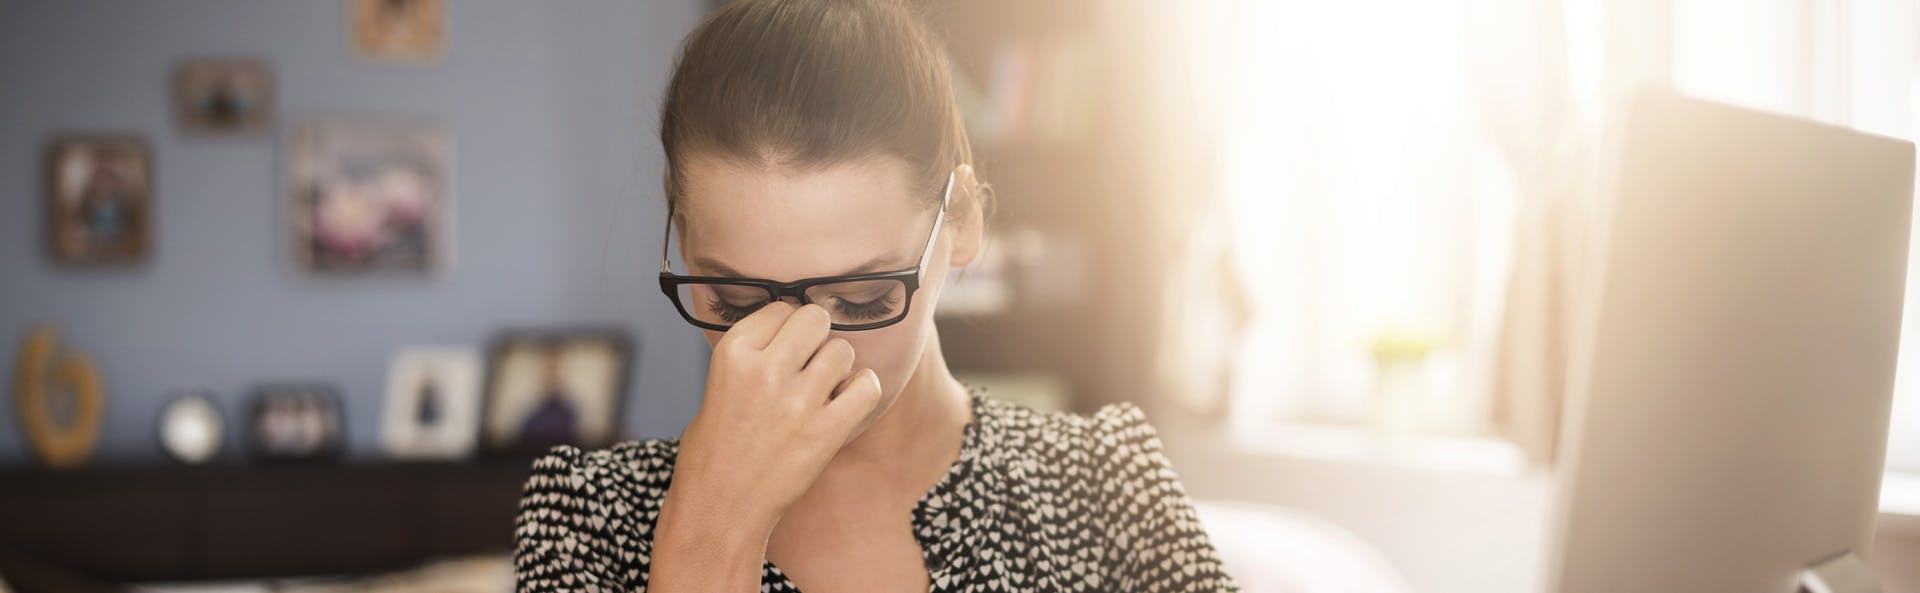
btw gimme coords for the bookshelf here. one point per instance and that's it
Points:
(1061, 171)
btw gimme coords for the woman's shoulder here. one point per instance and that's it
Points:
(614, 490)
(644, 460)
(636, 473)
(1116, 436)
(586, 517)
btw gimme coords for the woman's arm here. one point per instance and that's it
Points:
(698, 547)
(781, 401)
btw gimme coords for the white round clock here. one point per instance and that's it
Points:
(190, 429)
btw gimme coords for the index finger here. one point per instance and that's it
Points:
(803, 333)
(759, 327)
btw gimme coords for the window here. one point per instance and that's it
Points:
(1378, 188)
(1372, 195)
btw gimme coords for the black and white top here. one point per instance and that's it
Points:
(1035, 502)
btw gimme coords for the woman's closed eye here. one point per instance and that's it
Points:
(843, 308)
(879, 307)
(732, 313)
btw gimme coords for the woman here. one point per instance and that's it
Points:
(819, 176)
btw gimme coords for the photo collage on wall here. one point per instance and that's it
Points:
(362, 196)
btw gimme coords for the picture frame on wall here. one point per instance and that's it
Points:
(99, 199)
(403, 31)
(370, 196)
(297, 422)
(554, 387)
(433, 404)
(223, 97)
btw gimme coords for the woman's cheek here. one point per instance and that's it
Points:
(888, 351)
(870, 352)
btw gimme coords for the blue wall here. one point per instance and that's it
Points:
(557, 217)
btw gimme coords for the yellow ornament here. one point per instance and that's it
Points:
(42, 372)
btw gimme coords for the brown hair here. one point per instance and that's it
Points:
(810, 83)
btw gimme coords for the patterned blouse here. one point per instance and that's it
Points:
(1035, 502)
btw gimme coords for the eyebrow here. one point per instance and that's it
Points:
(877, 264)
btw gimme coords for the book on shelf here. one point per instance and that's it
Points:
(1037, 91)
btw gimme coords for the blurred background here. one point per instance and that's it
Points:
(291, 289)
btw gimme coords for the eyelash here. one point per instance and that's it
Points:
(864, 311)
(868, 310)
(730, 313)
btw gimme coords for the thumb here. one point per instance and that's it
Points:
(857, 398)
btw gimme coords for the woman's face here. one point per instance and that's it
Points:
(860, 216)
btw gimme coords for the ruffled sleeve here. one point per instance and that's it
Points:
(585, 520)
(1160, 542)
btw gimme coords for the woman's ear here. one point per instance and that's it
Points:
(971, 214)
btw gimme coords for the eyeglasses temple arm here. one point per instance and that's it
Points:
(665, 236)
(945, 197)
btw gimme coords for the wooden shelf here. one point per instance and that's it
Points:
(152, 524)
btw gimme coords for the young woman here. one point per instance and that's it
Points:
(819, 176)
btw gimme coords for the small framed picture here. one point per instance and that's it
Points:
(554, 388)
(397, 30)
(433, 403)
(223, 97)
(99, 199)
(297, 422)
(370, 196)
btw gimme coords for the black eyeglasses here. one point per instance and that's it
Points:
(854, 301)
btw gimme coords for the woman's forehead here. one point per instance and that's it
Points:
(786, 224)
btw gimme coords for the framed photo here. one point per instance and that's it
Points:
(554, 388)
(297, 422)
(370, 196)
(223, 97)
(397, 30)
(433, 404)
(99, 199)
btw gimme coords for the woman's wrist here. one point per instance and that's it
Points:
(700, 524)
(697, 547)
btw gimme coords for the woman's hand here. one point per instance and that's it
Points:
(781, 401)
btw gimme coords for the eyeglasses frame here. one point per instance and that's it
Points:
(912, 277)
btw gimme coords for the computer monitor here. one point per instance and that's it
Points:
(1731, 380)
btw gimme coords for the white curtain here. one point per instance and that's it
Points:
(1406, 193)
(1394, 173)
